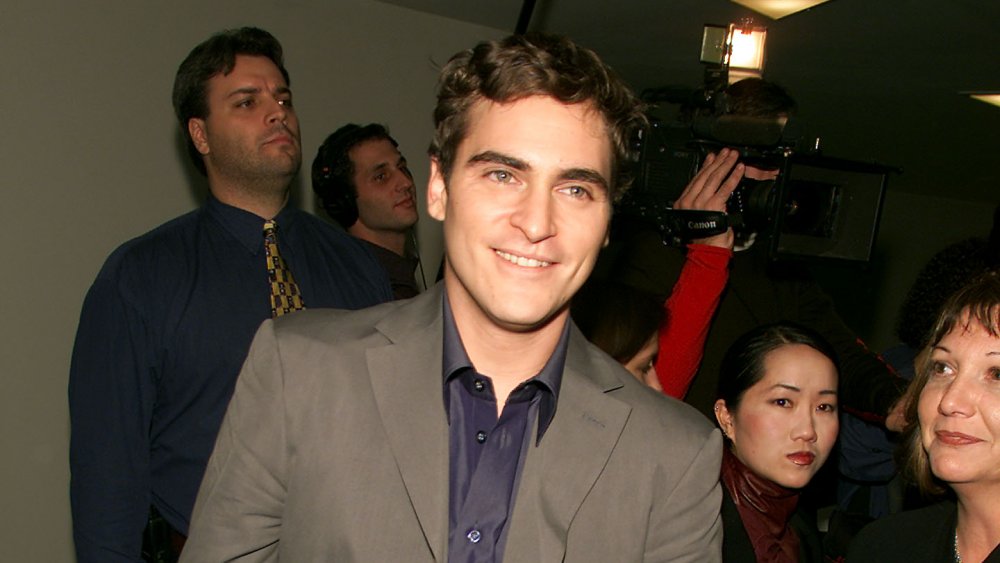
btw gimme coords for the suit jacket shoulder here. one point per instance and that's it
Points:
(622, 474)
(334, 446)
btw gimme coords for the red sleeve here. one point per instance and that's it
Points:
(689, 312)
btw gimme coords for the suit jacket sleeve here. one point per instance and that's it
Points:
(238, 514)
(685, 524)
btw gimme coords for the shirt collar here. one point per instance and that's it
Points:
(549, 380)
(247, 227)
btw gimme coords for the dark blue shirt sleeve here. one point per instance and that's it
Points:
(111, 394)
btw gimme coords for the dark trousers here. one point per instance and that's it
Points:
(161, 543)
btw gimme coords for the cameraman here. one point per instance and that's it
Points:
(761, 291)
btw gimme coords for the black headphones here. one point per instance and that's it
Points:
(331, 180)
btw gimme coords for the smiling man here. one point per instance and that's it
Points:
(169, 319)
(475, 422)
(362, 181)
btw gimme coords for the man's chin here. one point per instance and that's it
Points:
(526, 322)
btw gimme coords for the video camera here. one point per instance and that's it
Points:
(818, 207)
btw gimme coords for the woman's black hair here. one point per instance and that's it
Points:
(616, 317)
(743, 365)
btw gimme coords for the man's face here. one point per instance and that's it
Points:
(525, 210)
(386, 196)
(251, 133)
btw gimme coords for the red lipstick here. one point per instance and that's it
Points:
(802, 458)
(955, 438)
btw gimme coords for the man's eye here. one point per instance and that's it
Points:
(245, 103)
(285, 102)
(502, 176)
(578, 192)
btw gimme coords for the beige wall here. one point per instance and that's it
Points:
(90, 158)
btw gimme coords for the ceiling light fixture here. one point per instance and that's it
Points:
(777, 9)
(988, 97)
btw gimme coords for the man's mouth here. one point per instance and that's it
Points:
(280, 135)
(279, 139)
(522, 261)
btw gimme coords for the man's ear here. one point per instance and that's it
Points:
(196, 130)
(437, 192)
(725, 419)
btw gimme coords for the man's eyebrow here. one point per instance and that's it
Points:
(378, 167)
(585, 175)
(578, 174)
(257, 90)
(499, 158)
(244, 90)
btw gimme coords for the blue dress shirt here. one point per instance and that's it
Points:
(486, 454)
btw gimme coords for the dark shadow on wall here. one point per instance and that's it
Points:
(855, 288)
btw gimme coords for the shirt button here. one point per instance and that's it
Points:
(479, 385)
(474, 536)
(480, 437)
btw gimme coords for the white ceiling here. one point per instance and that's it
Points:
(876, 80)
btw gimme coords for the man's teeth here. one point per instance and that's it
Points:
(522, 261)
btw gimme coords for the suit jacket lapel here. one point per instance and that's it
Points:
(560, 471)
(407, 383)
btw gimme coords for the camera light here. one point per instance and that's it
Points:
(733, 52)
(747, 47)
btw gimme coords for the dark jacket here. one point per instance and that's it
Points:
(926, 535)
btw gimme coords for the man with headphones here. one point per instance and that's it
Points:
(362, 181)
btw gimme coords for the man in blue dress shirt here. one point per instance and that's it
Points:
(169, 319)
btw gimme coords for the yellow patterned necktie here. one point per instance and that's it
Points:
(285, 296)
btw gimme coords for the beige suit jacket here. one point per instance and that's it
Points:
(335, 448)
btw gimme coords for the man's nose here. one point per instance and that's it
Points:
(533, 215)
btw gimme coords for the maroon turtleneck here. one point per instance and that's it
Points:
(765, 509)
